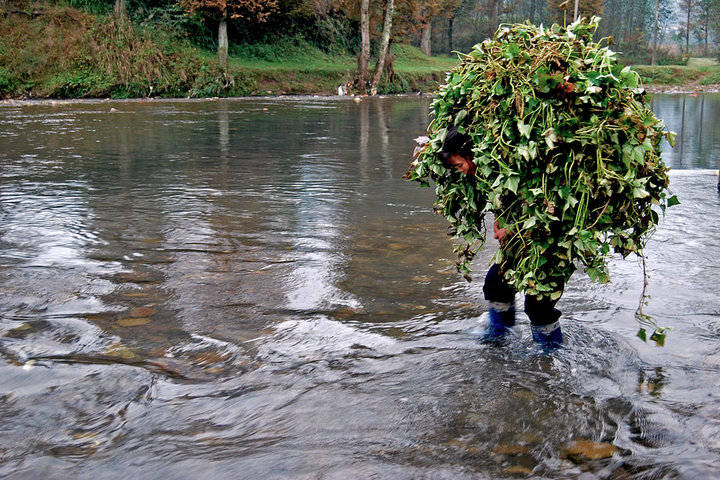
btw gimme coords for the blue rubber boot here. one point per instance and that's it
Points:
(548, 336)
(501, 318)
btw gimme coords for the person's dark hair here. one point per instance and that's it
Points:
(456, 142)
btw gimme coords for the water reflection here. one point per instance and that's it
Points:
(248, 287)
(692, 117)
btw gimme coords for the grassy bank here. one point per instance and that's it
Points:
(50, 51)
(60, 52)
(698, 72)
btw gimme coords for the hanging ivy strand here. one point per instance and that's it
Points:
(567, 154)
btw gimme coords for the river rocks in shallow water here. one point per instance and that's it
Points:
(133, 321)
(517, 470)
(118, 350)
(142, 312)
(344, 313)
(138, 316)
(73, 450)
(511, 449)
(139, 277)
(24, 326)
(581, 450)
(209, 358)
(81, 435)
(135, 294)
(19, 331)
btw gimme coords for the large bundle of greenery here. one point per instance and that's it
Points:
(567, 154)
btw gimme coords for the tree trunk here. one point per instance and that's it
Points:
(223, 43)
(450, 33)
(494, 18)
(655, 33)
(387, 27)
(120, 10)
(364, 58)
(425, 38)
(389, 69)
(687, 32)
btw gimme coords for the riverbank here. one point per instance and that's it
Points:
(652, 89)
(699, 75)
(58, 52)
(61, 52)
(713, 88)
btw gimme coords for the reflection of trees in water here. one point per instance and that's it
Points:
(691, 117)
(394, 250)
(219, 216)
(347, 178)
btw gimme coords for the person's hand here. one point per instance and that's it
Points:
(501, 234)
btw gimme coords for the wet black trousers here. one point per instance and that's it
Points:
(541, 311)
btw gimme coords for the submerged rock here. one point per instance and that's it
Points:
(142, 312)
(133, 321)
(511, 449)
(581, 450)
(517, 470)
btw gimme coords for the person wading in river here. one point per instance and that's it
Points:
(544, 317)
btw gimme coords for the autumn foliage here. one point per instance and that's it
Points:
(257, 10)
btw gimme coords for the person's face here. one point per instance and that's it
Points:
(461, 164)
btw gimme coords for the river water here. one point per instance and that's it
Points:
(248, 288)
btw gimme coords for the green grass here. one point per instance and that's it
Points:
(322, 73)
(412, 59)
(712, 77)
(668, 75)
(702, 62)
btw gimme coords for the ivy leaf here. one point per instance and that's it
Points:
(530, 222)
(512, 183)
(550, 138)
(672, 201)
(639, 192)
(659, 338)
(524, 128)
(511, 51)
